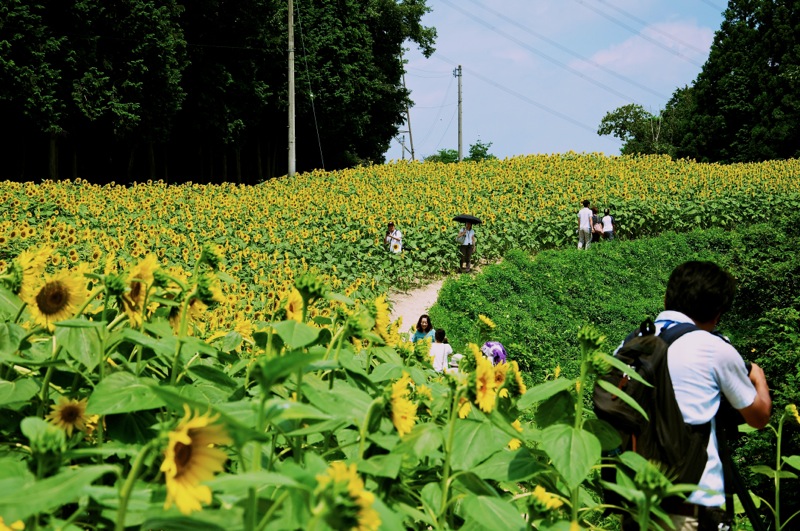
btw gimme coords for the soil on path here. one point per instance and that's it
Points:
(411, 304)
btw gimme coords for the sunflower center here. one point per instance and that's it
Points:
(136, 289)
(183, 453)
(70, 414)
(52, 298)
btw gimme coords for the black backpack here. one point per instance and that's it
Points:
(665, 437)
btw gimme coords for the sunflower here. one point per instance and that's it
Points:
(69, 414)
(191, 458)
(380, 312)
(29, 268)
(486, 322)
(464, 407)
(517, 382)
(294, 306)
(19, 525)
(139, 281)
(404, 414)
(485, 385)
(348, 503)
(544, 500)
(514, 444)
(57, 298)
(792, 410)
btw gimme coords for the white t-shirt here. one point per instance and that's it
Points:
(440, 353)
(585, 218)
(703, 366)
(395, 241)
(469, 237)
(608, 224)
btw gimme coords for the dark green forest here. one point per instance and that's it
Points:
(744, 106)
(134, 89)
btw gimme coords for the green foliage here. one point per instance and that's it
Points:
(446, 156)
(477, 152)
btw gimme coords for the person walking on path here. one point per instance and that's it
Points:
(466, 237)
(393, 239)
(585, 226)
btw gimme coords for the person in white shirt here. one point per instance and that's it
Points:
(585, 226)
(466, 237)
(394, 239)
(608, 225)
(440, 351)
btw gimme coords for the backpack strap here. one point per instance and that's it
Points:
(672, 331)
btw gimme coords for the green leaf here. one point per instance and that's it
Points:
(573, 452)
(386, 371)
(180, 523)
(296, 335)
(475, 440)
(492, 513)
(122, 392)
(509, 465)
(771, 472)
(82, 341)
(9, 303)
(51, 493)
(387, 465)
(423, 441)
(17, 391)
(625, 369)
(238, 484)
(793, 461)
(622, 395)
(213, 375)
(607, 434)
(274, 370)
(11, 336)
(543, 392)
(163, 347)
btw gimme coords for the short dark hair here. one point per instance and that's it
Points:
(701, 290)
(439, 335)
(419, 323)
(586, 202)
(607, 211)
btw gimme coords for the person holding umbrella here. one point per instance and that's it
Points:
(466, 237)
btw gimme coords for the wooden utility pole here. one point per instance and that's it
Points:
(292, 147)
(457, 73)
(408, 121)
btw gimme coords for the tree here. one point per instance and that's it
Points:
(477, 152)
(640, 131)
(747, 96)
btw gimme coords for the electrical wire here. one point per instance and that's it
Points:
(308, 80)
(640, 34)
(556, 62)
(567, 50)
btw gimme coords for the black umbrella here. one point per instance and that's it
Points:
(467, 218)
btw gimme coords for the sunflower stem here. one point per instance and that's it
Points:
(44, 395)
(127, 487)
(19, 312)
(181, 335)
(447, 452)
(256, 466)
(266, 519)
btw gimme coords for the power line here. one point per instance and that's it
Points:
(652, 28)
(640, 34)
(310, 92)
(567, 50)
(441, 106)
(518, 95)
(715, 6)
(543, 55)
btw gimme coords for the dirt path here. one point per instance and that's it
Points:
(411, 304)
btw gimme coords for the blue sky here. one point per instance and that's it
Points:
(539, 75)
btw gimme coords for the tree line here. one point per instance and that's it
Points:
(744, 105)
(128, 90)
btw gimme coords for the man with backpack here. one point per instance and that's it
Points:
(703, 368)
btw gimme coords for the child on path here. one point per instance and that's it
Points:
(440, 351)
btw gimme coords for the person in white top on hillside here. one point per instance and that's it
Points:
(585, 226)
(394, 239)
(466, 237)
(440, 351)
(608, 226)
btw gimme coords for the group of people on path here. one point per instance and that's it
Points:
(466, 239)
(591, 227)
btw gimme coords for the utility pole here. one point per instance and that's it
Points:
(457, 73)
(408, 120)
(292, 147)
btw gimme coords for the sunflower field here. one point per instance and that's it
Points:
(221, 357)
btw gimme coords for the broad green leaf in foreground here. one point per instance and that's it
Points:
(573, 452)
